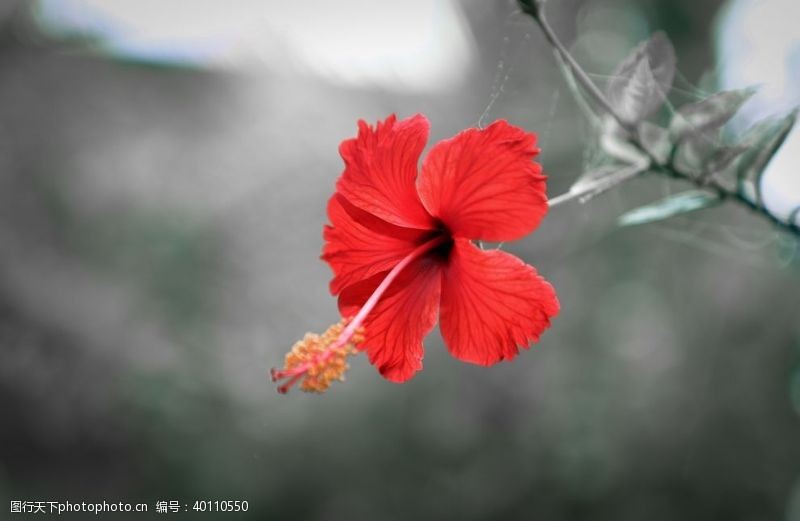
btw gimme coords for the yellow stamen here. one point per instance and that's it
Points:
(317, 361)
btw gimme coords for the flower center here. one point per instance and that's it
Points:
(442, 250)
(319, 360)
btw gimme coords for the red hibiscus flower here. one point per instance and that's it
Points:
(400, 246)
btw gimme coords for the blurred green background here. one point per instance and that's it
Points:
(160, 227)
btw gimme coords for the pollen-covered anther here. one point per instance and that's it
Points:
(317, 361)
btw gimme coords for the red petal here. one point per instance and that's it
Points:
(358, 245)
(483, 185)
(381, 169)
(492, 303)
(394, 329)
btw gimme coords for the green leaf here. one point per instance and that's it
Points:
(655, 141)
(720, 161)
(673, 205)
(639, 85)
(615, 141)
(762, 141)
(708, 114)
(694, 153)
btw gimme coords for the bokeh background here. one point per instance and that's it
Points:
(165, 168)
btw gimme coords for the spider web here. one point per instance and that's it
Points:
(750, 242)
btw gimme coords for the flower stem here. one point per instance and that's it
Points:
(560, 199)
(578, 71)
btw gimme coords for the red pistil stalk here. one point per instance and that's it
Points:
(319, 360)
